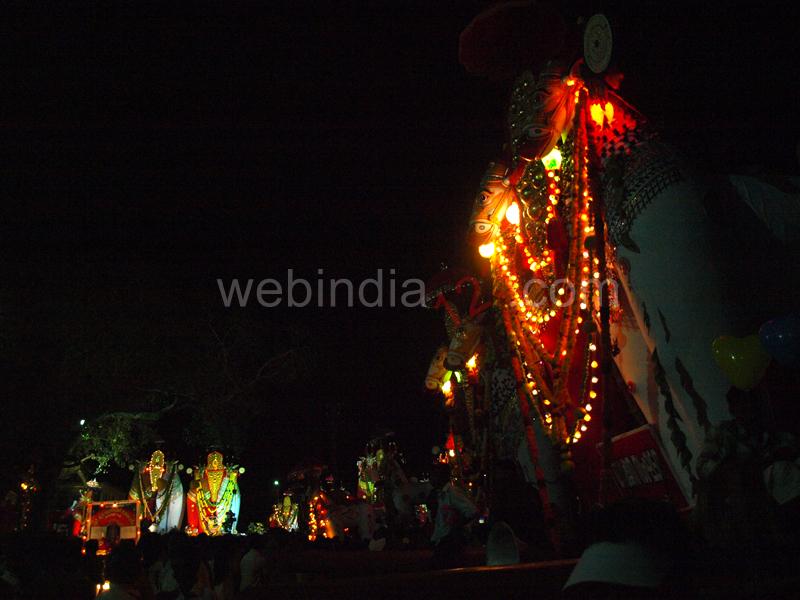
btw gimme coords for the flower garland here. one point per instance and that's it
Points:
(556, 202)
(212, 513)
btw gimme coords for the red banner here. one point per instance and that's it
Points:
(112, 521)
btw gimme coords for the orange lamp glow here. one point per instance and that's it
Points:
(512, 213)
(486, 250)
(609, 112)
(602, 114)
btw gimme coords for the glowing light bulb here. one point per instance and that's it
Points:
(447, 387)
(512, 214)
(486, 250)
(472, 362)
(609, 112)
(596, 113)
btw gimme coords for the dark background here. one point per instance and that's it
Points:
(146, 154)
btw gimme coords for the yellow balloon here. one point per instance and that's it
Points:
(743, 360)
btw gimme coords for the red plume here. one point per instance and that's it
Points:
(513, 36)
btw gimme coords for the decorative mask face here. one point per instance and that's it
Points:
(157, 468)
(463, 345)
(490, 205)
(547, 112)
(437, 370)
(214, 462)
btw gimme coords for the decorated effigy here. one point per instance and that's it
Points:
(157, 486)
(379, 469)
(460, 369)
(213, 499)
(384, 487)
(285, 514)
(306, 505)
(606, 282)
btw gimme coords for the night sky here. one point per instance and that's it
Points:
(145, 156)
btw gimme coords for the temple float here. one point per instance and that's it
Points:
(616, 319)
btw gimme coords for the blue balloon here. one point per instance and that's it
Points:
(781, 339)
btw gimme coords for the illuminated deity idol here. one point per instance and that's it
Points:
(213, 494)
(158, 487)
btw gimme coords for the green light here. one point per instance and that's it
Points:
(552, 160)
(458, 376)
(276, 482)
